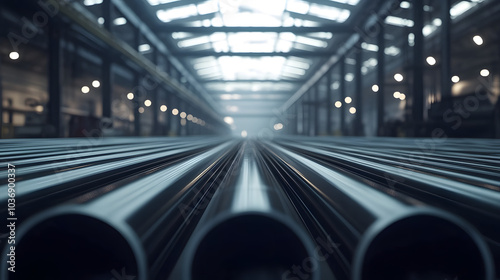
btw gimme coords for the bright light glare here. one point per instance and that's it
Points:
(348, 100)
(14, 55)
(130, 96)
(163, 108)
(244, 133)
(455, 79)
(375, 88)
(183, 115)
(396, 94)
(85, 89)
(228, 120)
(398, 77)
(402, 96)
(338, 104)
(352, 110)
(147, 102)
(175, 112)
(120, 21)
(478, 40)
(278, 126)
(431, 60)
(484, 73)
(96, 83)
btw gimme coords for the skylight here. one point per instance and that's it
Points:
(251, 12)
(233, 70)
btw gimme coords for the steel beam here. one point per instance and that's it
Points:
(329, 103)
(342, 90)
(358, 84)
(417, 106)
(381, 79)
(194, 54)
(333, 28)
(446, 53)
(55, 79)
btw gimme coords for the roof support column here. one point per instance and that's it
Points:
(55, 79)
(446, 52)
(381, 79)
(358, 120)
(329, 103)
(315, 110)
(342, 96)
(418, 70)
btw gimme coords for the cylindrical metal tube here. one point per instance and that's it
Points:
(50, 183)
(460, 177)
(385, 238)
(135, 227)
(249, 231)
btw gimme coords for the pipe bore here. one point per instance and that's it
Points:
(248, 246)
(423, 247)
(74, 246)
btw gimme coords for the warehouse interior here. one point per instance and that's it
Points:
(278, 139)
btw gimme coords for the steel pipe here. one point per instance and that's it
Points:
(249, 231)
(132, 227)
(384, 237)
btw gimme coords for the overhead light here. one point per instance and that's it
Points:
(455, 79)
(398, 77)
(411, 39)
(244, 133)
(278, 126)
(484, 73)
(144, 48)
(352, 110)
(392, 51)
(39, 108)
(228, 120)
(405, 5)
(130, 96)
(85, 89)
(183, 115)
(141, 110)
(147, 102)
(335, 85)
(348, 100)
(175, 112)
(189, 117)
(431, 60)
(101, 20)
(92, 2)
(397, 21)
(14, 55)
(163, 108)
(338, 104)
(120, 21)
(195, 119)
(369, 47)
(96, 83)
(460, 8)
(396, 94)
(375, 88)
(349, 77)
(478, 40)
(402, 96)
